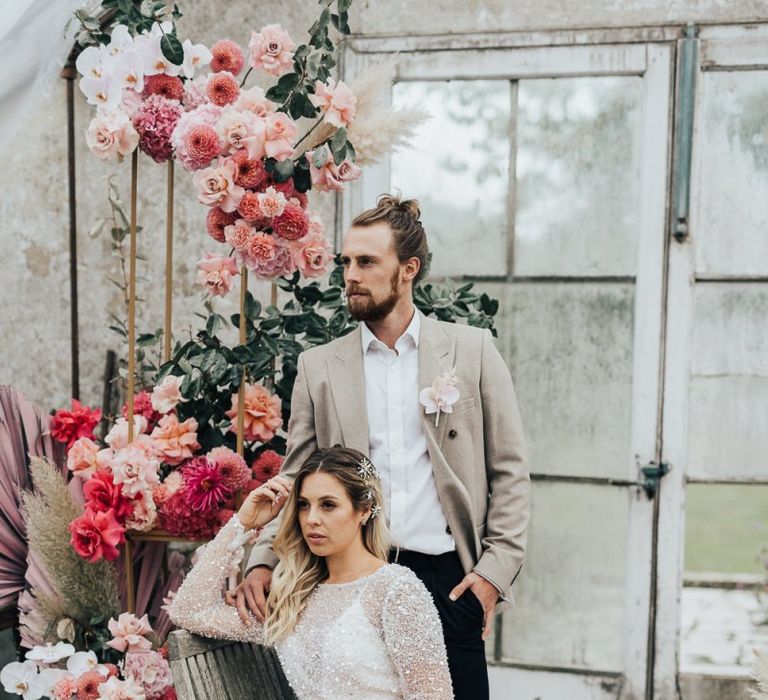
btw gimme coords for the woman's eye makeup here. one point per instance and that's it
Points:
(328, 505)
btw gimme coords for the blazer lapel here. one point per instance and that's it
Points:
(347, 378)
(436, 354)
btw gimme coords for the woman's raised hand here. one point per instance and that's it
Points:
(263, 504)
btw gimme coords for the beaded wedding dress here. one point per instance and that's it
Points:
(376, 637)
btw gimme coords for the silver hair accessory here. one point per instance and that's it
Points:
(375, 510)
(366, 470)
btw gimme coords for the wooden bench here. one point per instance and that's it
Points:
(215, 669)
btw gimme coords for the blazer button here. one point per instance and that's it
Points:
(448, 530)
(452, 433)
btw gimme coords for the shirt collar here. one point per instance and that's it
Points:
(413, 330)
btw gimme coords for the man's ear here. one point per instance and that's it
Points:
(411, 268)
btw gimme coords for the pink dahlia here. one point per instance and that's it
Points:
(222, 88)
(232, 467)
(88, 685)
(155, 121)
(206, 113)
(266, 465)
(249, 207)
(168, 86)
(250, 173)
(227, 56)
(217, 220)
(179, 518)
(68, 426)
(204, 486)
(142, 406)
(292, 224)
(202, 145)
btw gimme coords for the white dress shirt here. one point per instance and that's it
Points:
(398, 445)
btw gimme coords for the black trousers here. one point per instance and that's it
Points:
(462, 620)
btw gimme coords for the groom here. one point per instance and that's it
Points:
(455, 483)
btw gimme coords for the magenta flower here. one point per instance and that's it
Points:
(204, 486)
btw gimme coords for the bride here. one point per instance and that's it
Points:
(344, 623)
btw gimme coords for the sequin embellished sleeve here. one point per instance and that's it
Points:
(414, 638)
(199, 605)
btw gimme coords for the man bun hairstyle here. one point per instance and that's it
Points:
(404, 218)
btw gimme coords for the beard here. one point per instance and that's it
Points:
(364, 308)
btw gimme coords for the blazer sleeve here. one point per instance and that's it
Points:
(507, 470)
(302, 442)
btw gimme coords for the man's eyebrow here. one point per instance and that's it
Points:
(367, 256)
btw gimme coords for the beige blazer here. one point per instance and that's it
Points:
(478, 452)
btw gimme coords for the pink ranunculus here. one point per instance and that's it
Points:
(262, 413)
(312, 254)
(129, 633)
(96, 535)
(175, 441)
(216, 185)
(271, 203)
(135, 469)
(254, 100)
(167, 394)
(111, 134)
(271, 49)
(222, 89)
(336, 101)
(216, 273)
(242, 130)
(280, 136)
(144, 511)
(117, 438)
(81, 457)
(331, 176)
(68, 426)
(227, 56)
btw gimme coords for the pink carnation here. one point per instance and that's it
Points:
(175, 441)
(217, 221)
(204, 486)
(263, 414)
(267, 256)
(292, 224)
(216, 185)
(222, 88)
(216, 273)
(271, 202)
(232, 467)
(271, 49)
(155, 121)
(65, 688)
(227, 56)
(168, 86)
(250, 172)
(239, 235)
(312, 254)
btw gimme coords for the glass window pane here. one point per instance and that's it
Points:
(578, 176)
(732, 174)
(723, 601)
(569, 348)
(729, 382)
(570, 595)
(458, 168)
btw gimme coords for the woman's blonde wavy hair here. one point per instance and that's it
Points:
(299, 570)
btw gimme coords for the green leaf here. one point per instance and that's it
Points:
(344, 5)
(172, 49)
(339, 140)
(252, 307)
(282, 170)
(146, 339)
(302, 179)
(301, 106)
(320, 156)
(125, 6)
(340, 156)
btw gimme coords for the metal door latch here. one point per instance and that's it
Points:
(652, 475)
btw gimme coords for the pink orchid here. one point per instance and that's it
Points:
(441, 396)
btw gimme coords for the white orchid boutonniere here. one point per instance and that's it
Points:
(441, 396)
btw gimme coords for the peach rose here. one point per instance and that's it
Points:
(242, 130)
(134, 469)
(216, 185)
(312, 253)
(81, 458)
(216, 273)
(167, 395)
(111, 133)
(117, 438)
(144, 512)
(128, 633)
(175, 441)
(280, 135)
(271, 49)
(262, 413)
(331, 176)
(253, 100)
(336, 101)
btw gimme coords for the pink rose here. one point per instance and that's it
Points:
(175, 441)
(262, 413)
(111, 133)
(167, 395)
(135, 469)
(115, 689)
(81, 458)
(312, 253)
(96, 535)
(280, 135)
(253, 100)
(243, 129)
(144, 512)
(216, 273)
(216, 185)
(118, 436)
(271, 50)
(336, 101)
(128, 633)
(271, 202)
(331, 176)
